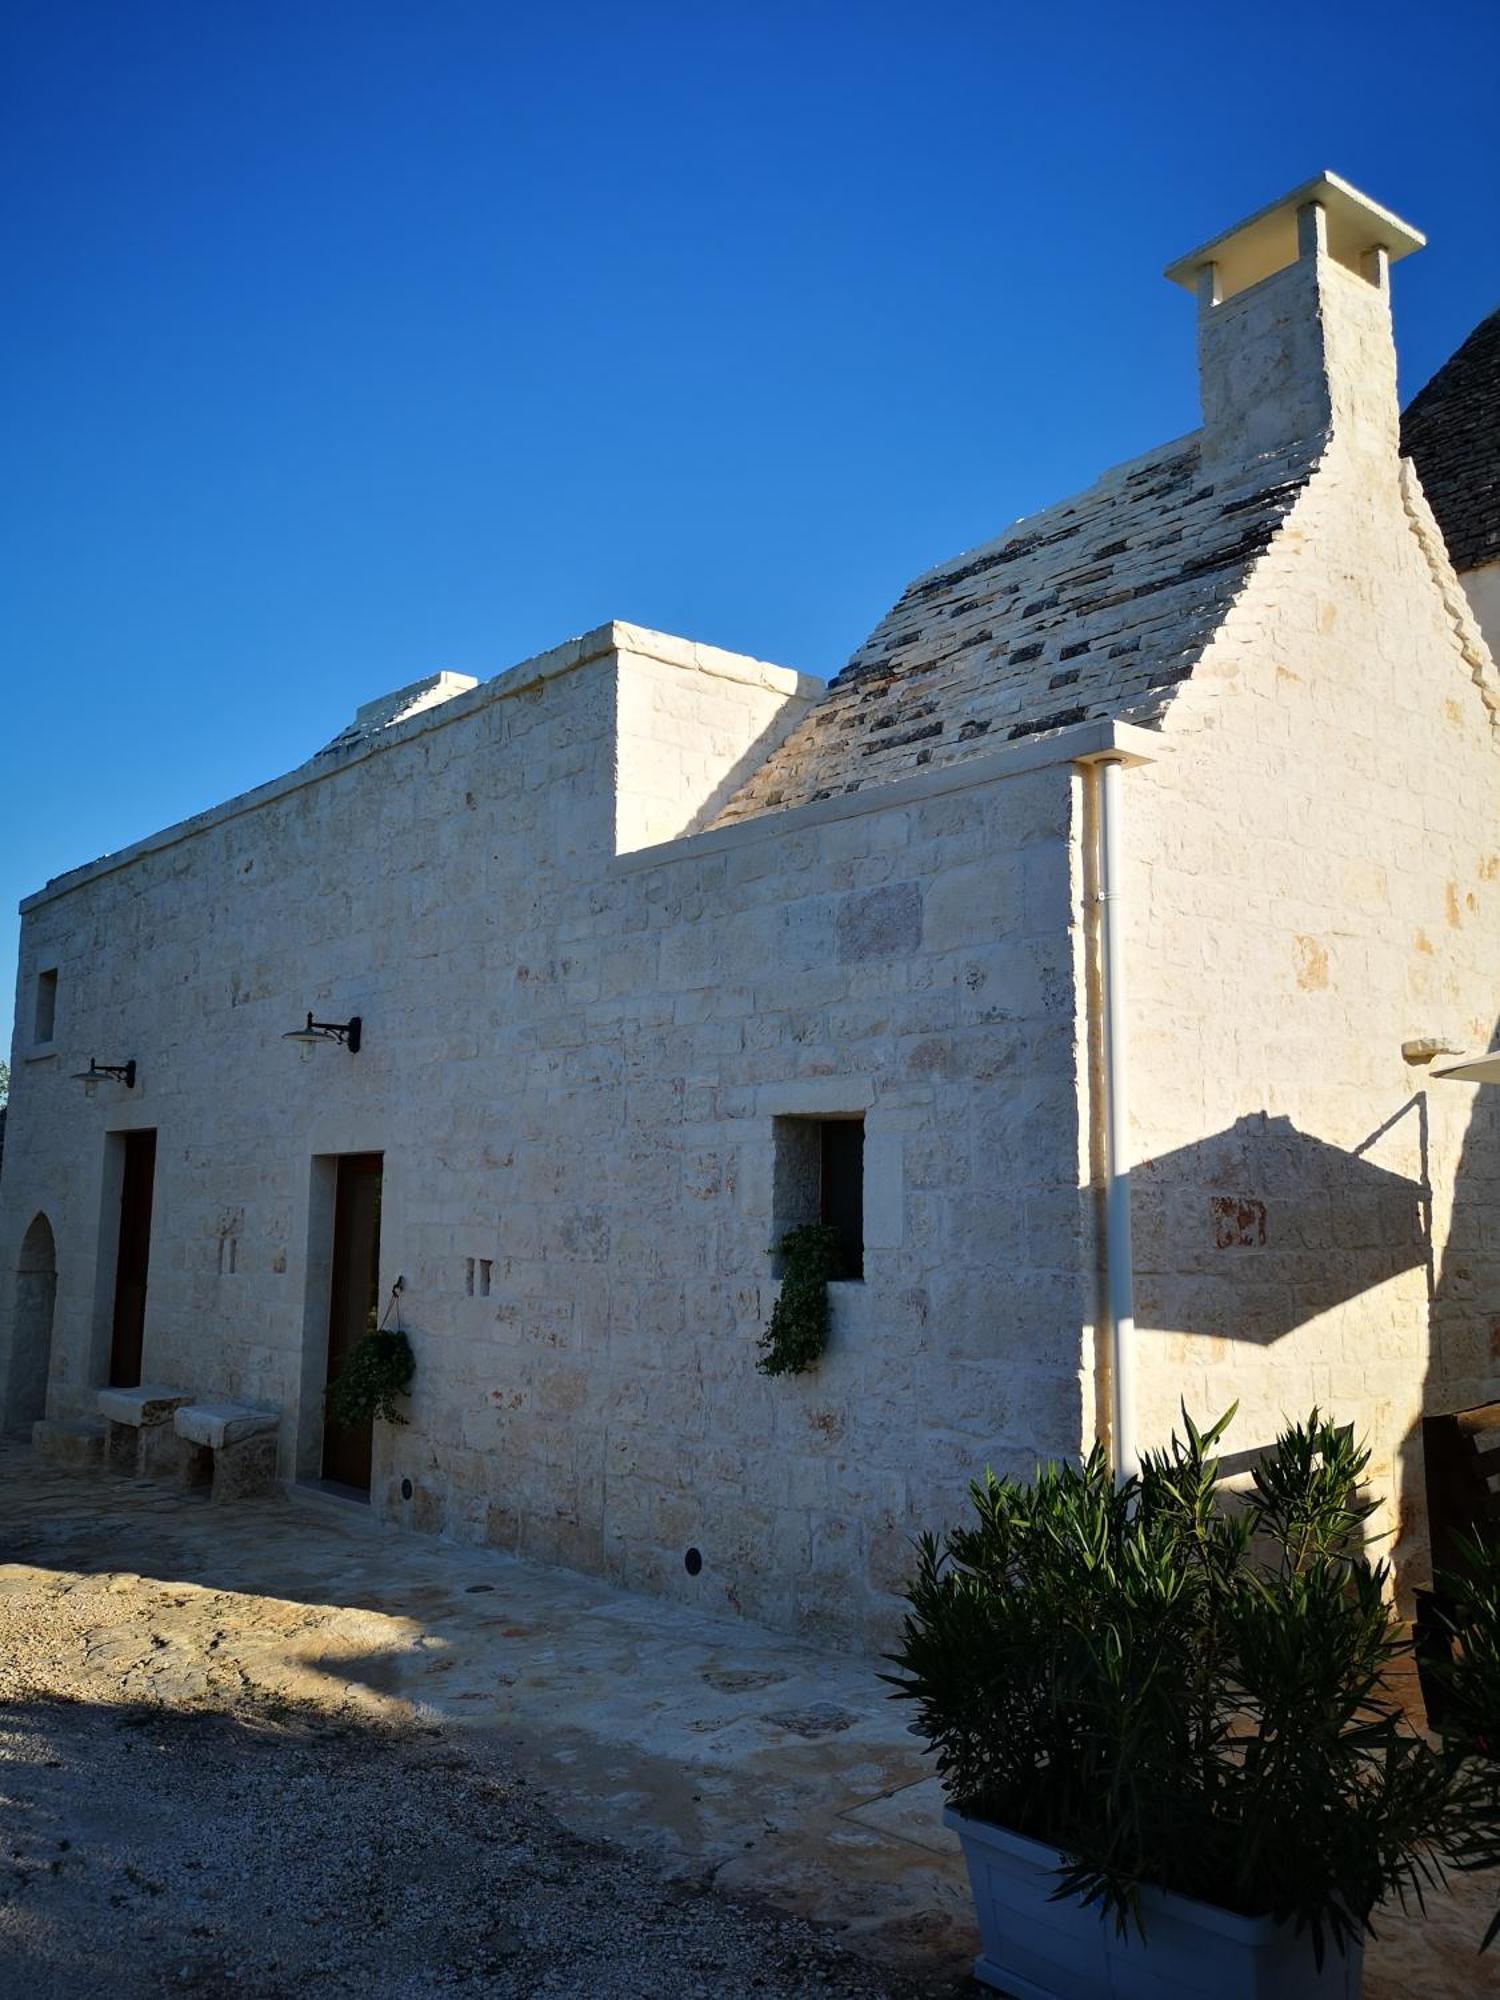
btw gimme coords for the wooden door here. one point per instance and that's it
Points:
(128, 1332)
(354, 1304)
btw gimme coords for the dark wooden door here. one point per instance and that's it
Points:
(128, 1332)
(354, 1303)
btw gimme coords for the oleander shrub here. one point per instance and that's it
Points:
(1179, 1689)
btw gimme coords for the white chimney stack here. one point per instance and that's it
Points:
(1294, 322)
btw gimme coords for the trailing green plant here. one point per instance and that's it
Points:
(1468, 1611)
(378, 1369)
(797, 1332)
(1179, 1691)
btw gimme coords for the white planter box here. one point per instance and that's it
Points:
(1040, 1950)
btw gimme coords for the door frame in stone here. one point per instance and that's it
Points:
(137, 1179)
(317, 1288)
(353, 1306)
(107, 1242)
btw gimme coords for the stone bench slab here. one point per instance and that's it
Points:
(140, 1408)
(219, 1424)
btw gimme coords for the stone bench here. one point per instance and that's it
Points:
(228, 1447)
(138, 1434)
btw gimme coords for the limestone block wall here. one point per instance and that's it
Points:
(690, 722)
(1315, 877)
(912, 964)
(574, 1059)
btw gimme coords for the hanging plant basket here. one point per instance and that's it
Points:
(378, 1370)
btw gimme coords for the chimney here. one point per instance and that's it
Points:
(1294, 322)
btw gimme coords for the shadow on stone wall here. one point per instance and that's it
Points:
(1253, 1232)
(1250, 1234)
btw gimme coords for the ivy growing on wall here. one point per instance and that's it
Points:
(797, 1334)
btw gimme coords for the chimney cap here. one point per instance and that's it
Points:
(1267, 241)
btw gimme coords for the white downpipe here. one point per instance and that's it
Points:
(1119, 1263)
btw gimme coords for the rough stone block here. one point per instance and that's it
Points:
(158, 1451)
(68, 1441)
(246, 1470)
(122, 1448)
(880, 923)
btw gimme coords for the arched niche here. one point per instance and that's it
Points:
(31, 1327)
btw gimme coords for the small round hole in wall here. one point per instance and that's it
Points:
(406, 1489)
(692, 1562)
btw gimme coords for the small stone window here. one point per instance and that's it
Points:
(820, 1177)
(45, 1019)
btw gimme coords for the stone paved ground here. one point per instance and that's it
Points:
(246, 1850)
(255, 1750)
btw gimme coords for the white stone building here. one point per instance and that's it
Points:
(638, 931)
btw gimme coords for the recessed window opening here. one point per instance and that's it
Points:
(820, 1177)
(486, 1269)
(46, 1005)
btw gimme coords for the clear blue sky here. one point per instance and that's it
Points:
(346, 340)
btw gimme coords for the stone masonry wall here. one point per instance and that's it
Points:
(573, 1062)
(1315, 877)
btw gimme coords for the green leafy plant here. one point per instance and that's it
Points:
(1181, 1691)
(797, 1333)
(378, 1370)
(1469, 1614)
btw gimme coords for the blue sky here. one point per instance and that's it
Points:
(344, 342)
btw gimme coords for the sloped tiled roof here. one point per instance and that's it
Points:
(1098, 607)
(1452, 432)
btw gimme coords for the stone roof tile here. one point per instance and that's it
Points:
(1452, 432)
(1125, 583)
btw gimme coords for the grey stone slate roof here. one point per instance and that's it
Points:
(1098, 607)
(1452, 432)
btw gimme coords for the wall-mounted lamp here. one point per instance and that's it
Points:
(98, 1072)
(345, 1032)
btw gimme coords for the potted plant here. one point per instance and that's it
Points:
(1160, 1725)
(379, 1368)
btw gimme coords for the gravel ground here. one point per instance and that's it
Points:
(257, 1852)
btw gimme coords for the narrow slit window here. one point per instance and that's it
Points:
(45, 1022)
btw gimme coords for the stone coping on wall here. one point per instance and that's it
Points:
(614, 636)
(1103, 740)
(1084, 742)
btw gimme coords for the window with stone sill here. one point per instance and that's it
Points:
(820, 1177)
